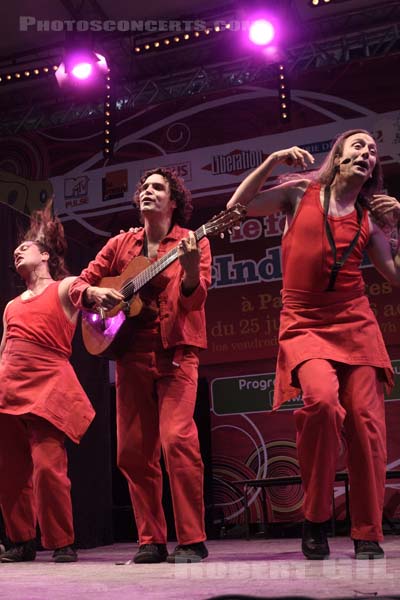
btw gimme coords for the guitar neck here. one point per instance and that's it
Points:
(136, 284)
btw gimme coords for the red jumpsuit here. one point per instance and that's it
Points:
(41, 401)
(331, 349)
(156, 389)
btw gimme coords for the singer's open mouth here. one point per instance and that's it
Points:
(362, 164)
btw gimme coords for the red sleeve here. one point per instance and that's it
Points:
(101, 266)
(196, 300)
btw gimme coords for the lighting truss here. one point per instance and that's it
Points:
(335, 51)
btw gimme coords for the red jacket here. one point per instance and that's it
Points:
(182, 318)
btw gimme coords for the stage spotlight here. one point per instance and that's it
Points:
(82, 69)
(261, 32)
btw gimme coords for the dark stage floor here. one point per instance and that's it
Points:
(255, 568)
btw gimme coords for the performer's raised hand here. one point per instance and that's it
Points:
(385, 208)
(294, 157)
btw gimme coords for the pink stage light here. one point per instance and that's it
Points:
(82, 70)
(261, 32)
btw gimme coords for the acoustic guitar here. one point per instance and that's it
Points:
(107, 333)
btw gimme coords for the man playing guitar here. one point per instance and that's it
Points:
(157, 371)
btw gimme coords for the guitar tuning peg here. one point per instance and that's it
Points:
(236, 227)
(230, 231)
(222, 235)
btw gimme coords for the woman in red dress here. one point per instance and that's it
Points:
(330, 345)
(41, 399)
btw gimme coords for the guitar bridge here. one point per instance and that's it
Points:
(102, 314)
(126, 307)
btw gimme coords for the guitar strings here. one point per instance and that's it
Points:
(145, 276)
(135, 284)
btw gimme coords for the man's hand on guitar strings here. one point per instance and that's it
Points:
(105, 298)
(189, 257)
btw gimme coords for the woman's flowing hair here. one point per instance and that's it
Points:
(47, 232)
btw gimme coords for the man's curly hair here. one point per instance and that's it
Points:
(178, 191)
(47, 232)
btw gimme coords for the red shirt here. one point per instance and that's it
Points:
(42, 320)
(307, 256)
(36, 376)
(181, 318)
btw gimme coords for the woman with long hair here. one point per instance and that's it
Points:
(330, 346)
(41, 399)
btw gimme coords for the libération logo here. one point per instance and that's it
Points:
(31, 23)
(235, 162)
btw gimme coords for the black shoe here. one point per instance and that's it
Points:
(66, 554)
(21, 552)
(188, 553)
(365, 549)
(314, 543)
(151, 553)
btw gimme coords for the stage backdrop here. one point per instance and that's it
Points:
(213, 141)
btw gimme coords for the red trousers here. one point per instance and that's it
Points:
(343, 398)
(156, 394)
(34, 484)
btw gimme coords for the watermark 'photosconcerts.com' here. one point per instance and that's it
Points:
(31, 23)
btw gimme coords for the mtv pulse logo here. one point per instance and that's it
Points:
(76, 191)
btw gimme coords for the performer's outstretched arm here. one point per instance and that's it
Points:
(283, 196)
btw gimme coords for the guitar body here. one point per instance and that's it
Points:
(136, 266)
(109, 336)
